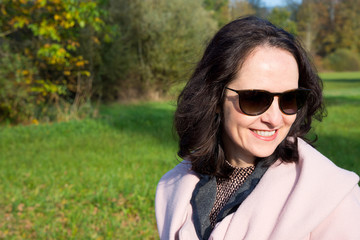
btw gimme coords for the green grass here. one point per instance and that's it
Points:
(339, 133)
(340, 76)
(341, 85)
(96, 178)
(90, 179)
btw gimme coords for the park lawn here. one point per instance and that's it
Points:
(89, 179)
(96, 178)
(339, 133)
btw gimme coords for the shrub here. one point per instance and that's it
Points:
(342, 60)
(17, 104)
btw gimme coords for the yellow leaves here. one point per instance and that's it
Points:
(41, 3)
(80, 63)
(83, 73)
(19, 22)
(72, 45)
(57, 17)
(65, 20)
(86, 73)
(3, 11)
(61, 51)
(47, 29)
(68, 16)
(49, 35)
(35, 122)
(69, 24)
(24, 76)
(46, 88)
(54, 54)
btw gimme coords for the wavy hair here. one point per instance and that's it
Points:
(197, 122)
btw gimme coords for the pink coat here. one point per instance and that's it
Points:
(313, 199)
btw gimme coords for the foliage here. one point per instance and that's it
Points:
(60, 56)
(47, 33)
(347, 25)
(327, 25)
(306, 23)
(219, 9)
(157, 45)
(281, 18)
(241, 8)
(17, 102)
(342, 60)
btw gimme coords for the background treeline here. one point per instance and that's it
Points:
(60, 58)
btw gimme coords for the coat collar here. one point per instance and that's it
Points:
(288, 202)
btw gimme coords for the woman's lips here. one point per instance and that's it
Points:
(265, 135)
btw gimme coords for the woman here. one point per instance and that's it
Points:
(248, 172)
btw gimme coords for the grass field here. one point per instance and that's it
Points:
(96, 178)
(339, 133)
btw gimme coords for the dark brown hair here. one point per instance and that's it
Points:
(197, 122)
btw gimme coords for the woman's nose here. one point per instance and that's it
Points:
(273, 116)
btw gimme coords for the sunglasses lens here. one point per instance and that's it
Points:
(254, 102)
(291, 102)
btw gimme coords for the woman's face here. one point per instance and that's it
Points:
(246, 137)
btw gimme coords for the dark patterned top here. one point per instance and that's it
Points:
(226, 187)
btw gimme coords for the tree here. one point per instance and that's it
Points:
(219, 10)
(241, 8)
(281, 18)
(158, 43)
(327, 25)
(307, 23)
(47, 33)
(347, 25)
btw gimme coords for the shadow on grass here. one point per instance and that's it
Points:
(339, 80)
(344, 151)
(342, 100)
(155, 120)
(148, 119)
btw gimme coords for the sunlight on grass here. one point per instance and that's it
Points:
(96, 178)
(86, 179)
(340, 76)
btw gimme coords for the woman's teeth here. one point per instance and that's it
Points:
(264, 133)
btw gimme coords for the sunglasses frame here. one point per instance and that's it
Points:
(278, 94)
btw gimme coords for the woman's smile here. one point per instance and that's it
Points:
(266, 135)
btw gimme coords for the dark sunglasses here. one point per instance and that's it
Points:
(256, 102)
